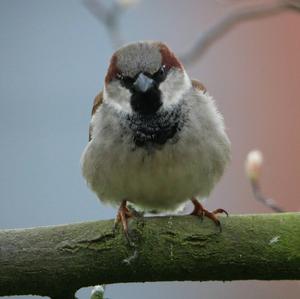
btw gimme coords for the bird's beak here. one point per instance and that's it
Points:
(143, 83)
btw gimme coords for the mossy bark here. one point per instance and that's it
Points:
(56, 261)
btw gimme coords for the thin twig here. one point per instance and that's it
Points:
(253, 168)
(110, 17)
(227, 22)
(269, 202)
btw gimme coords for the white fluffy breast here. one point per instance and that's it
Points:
(188, 165)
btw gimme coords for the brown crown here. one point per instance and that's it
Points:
(168, 57)
(112, 70)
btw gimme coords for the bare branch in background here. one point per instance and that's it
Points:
(238, 15)
(253, 170)
(110, 17)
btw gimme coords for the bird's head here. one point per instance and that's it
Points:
(143, 77)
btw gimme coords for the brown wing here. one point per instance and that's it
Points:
(198, 85)
(97, 102)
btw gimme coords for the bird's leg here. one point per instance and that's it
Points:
(122, 216)
(200, 211)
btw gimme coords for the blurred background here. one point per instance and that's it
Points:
(53, 59)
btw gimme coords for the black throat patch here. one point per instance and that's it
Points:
(154, 130)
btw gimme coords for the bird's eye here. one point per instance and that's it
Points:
(125, 81)
(161, 74)
(162, 70)
(120, 76)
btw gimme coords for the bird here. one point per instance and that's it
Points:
(156, 137)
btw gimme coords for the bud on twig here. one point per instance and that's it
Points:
(253, 165)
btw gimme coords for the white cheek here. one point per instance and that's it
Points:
(117, 96)
(174, 87)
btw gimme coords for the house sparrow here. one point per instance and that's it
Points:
(156, 138)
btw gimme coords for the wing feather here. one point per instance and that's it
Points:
(198, 85)
(97, 103)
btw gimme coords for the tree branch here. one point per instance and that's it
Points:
(227, 22)
(57, 261)
(110, 17)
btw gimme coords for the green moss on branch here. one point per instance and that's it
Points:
(58, 260)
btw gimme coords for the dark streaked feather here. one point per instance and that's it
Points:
(97, 102)
(198, 85)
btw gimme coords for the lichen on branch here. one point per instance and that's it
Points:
(51, 261)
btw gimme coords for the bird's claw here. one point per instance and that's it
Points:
(201, 212)
(122, 217)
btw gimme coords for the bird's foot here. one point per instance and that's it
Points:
(201, 212)
(122, 216)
